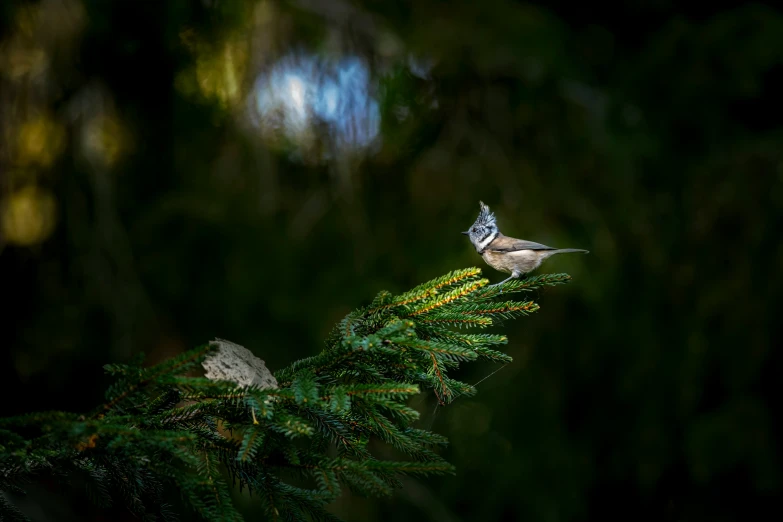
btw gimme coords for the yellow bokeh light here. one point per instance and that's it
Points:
(41, 140)
(21, 62)
(219, 71)
(26, 20)
(55, 22)
(220, 74)
(28, 216)
(104, 139)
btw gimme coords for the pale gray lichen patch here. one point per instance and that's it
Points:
(235, 363)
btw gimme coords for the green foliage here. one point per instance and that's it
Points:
(161, 426)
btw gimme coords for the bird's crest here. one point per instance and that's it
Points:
(485, 217)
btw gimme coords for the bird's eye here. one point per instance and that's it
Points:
(473, 229)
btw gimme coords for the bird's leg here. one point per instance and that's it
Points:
(509, 278)
(514, 275)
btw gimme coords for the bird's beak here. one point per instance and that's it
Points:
(466, 233)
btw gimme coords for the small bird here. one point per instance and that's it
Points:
(507, 254)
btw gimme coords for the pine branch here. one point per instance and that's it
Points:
(161, 426)
(429, 288)
(10, 512)
(458, 293)
(528, 284)
(135, 380)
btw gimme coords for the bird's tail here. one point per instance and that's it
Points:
(570, 250)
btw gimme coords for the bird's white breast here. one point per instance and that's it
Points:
(489, 239)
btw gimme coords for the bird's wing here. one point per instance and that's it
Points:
(509, 244)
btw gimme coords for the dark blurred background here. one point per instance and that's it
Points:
(175, 171)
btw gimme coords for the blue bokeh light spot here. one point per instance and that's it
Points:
(300, 91)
